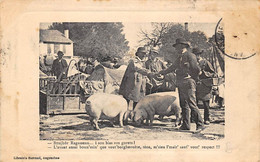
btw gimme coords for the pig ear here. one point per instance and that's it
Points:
(144, 114)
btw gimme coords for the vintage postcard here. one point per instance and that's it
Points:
(130, 81)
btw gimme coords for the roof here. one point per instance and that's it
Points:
(53, 36)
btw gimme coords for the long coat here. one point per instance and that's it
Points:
(133, 84)
(204, 91)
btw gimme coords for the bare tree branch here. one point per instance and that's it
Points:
(154, 37)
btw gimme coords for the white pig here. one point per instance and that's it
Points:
(106, 106)
(164, 103)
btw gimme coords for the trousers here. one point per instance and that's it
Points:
(187, 95)
(206, 110)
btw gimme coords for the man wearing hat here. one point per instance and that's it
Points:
(187, 72)
(154, 64)
(203, 91)
(133, 85)
(59, 66)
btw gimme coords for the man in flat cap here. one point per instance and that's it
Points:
(187, 72)
(59, 66)
(133, 85)
(203, 91)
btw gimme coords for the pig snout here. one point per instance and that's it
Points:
(138, 122)
(137, 119)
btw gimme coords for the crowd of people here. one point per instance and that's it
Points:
(145, 76)
(58, 67)
(54, 67)
(187, 72)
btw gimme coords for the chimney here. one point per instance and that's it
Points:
(186, 26)
(66, 33)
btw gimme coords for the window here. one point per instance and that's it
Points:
(48, 48)
(56, 48)
(64, 48)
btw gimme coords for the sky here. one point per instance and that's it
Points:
(132, 30)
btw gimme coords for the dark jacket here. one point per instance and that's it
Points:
(133, 84)
(186, 66)
(206, 69)
(59, 66)
(203, 91)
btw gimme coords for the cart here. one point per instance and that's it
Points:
(69, 95)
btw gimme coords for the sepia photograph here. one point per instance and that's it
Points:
(110, 80)
(140, 81)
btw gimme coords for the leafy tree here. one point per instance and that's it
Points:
(98, 40)
(167, 50)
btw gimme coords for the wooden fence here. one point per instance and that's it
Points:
(60, 97)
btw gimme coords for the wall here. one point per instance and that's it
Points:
(66, 48)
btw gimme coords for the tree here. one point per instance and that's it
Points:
(165, 35)
(174, 32)
(153, 39)
(98, 40)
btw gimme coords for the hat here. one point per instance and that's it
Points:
(60, 53)
(181, 41)
(141, 50)
(197, 51)
(155, 50)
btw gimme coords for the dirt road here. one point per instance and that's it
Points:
(77, 127)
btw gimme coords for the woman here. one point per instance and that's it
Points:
(204, 91)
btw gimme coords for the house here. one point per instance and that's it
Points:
(52, 41)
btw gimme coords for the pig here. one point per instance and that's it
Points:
(106, 106)
(163, 104)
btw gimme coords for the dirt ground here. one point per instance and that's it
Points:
(77, 127)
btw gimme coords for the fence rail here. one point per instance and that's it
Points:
(60, 97)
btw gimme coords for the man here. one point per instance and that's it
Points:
(203, 90)
(187, 72)
(133, 84)
(59, 66)
(154, 64)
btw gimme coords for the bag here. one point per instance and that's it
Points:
(215, 91)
